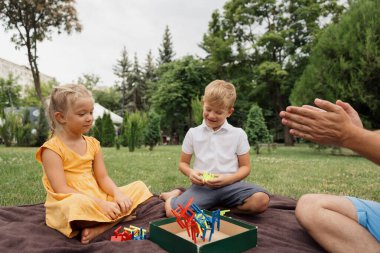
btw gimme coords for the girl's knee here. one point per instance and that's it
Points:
(140, 184)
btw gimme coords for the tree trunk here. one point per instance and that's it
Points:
(282, 103)
(288, 138)
(35, 73)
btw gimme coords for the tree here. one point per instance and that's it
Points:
(42, 128)
(218, 47)
(166, 52)
(24, 136)
(345, 64)
(138, 90)
(179, 82)
(197, 111)
(30, 98)
(149, 73)
(124, 131)
(35, 21)
(149, 77)
(89, 80)
(108, 131)
(152, 130)
(104, 130)
(270, 32)
(8, 127)
(9, 93)
(122, 70)
(256, 129)
(109, 98)
(98, 129)
(135, 130)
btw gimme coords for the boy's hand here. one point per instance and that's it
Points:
(124, 202)
(109, 209)
(218, 181)
(196, 177)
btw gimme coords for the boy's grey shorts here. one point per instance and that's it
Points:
(227, 196)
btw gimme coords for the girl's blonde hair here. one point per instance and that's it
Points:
(220, 93)
(61, 97)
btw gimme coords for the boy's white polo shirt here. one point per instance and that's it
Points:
(216, 151)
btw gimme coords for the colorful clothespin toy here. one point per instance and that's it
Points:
(207, 176)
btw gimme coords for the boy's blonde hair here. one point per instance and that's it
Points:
(220, 93)
(60, 99)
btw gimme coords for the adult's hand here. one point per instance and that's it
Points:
(354, 116)
(327, 123)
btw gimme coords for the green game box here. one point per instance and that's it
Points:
(234, 236)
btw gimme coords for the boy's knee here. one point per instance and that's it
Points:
(258, 203)
(262, 200)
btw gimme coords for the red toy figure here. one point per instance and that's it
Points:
(184, 216)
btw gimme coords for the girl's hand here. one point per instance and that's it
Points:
(196, 177)
(109, 209)
(123, 201)
(218, 181)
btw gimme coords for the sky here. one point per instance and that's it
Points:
(108, 26)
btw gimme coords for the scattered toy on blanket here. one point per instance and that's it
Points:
(206, 176)
(223, 212)
(196, 221)
(132, 233)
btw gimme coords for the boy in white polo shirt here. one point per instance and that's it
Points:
(223, 150)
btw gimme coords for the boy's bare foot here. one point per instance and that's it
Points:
(90, 233)
(173, 193)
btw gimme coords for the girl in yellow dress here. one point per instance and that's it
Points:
(81, 197)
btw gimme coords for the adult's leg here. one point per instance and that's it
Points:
(332, 221)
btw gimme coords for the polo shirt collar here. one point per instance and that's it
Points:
(225, 127)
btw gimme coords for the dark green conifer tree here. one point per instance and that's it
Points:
(256, 128)
(166, 52)
(152, 130)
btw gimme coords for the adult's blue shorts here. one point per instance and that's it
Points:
(368, 215)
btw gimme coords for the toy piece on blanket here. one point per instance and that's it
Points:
(132, 233)
(196, 221)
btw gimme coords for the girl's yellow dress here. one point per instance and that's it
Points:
(63, 208)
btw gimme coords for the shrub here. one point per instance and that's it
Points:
(152, 130)
(256, 129)
(24, 136)
(8, 128)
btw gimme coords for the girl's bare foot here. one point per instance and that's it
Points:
(173, 193)
(90, 233)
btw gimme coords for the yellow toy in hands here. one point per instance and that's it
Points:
(207, 176)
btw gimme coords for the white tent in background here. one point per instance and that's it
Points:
(99, 110)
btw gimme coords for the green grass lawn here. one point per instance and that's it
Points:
(288, 171)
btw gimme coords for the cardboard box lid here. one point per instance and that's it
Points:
(237, 236)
